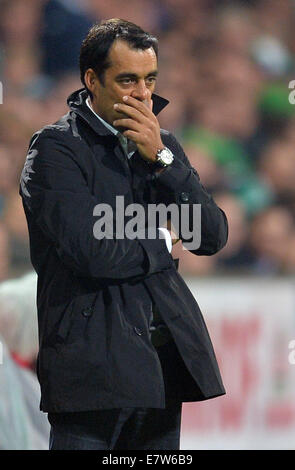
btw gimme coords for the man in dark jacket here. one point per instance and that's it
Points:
(122, 340)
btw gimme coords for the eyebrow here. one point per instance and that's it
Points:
(154, 73)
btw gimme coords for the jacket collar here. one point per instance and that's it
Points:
(77, 102)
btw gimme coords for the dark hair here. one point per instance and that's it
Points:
(95, 48)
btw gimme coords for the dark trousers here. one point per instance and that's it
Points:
(118, 429)
(129, 428)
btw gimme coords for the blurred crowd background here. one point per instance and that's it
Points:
(224, 65)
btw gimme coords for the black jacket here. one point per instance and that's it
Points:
(94, 296)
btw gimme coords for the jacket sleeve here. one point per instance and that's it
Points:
(56, 196)
(180, 184)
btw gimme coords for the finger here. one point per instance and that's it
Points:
(174, 236)
(131, 112)
(149, 101)
(134, 136)
(128, 123)
(139, 105)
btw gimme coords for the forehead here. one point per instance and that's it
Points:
(124, 58)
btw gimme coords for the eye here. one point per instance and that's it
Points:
(150, 80)
(127, 81)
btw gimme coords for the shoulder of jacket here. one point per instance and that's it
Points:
(168, 136)
(65, 129)
(171, 141)
(165, 133)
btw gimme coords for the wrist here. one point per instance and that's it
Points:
(158, 148)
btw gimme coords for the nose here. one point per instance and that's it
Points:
(140, 91)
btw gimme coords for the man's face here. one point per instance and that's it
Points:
(132, 72)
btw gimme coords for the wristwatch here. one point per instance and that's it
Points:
(164, 158)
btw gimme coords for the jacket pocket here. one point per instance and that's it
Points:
(76, 317)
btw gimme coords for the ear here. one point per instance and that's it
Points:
(90, 79)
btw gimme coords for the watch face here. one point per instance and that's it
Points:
(166, 156)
